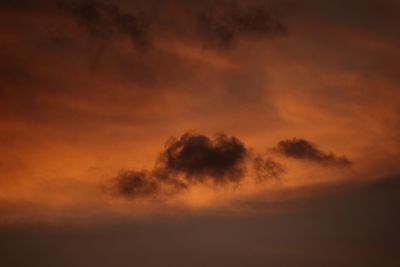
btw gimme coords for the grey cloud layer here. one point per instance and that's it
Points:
(347, 225)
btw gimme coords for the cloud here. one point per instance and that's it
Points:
(145, 184)
(267, 168)
(198, 157)
(225, 22)
(195, 159)
(304, 150)
(106, 20)
(135, 184)
(215, 24)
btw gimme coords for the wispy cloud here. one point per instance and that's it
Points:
(302, 149)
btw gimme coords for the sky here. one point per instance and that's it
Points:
(192, 133)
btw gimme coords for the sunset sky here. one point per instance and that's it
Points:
(200, 133)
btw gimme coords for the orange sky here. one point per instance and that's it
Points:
(82, 99)
(199, 133)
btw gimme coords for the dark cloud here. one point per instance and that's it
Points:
(198, 157)
(106, 20)
(194, 159)
(304, 150)
(187, 160)
(144, 184)
(223, 23)
(267, 169)
(135, 184)
(216, 24)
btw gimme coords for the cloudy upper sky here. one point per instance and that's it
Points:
(192, 133)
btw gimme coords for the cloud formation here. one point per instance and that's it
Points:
(215, 24)
(196, 159)
(267, 169)
(135, 184)
(104, 20)
(302, 149)
(224, 22)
